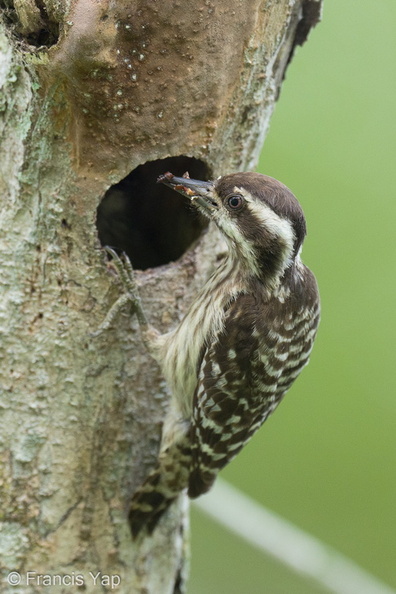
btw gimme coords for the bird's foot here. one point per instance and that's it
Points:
(130, 295)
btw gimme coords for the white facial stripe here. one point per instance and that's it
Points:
(277, 226)
(232, 232)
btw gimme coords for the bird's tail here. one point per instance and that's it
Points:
(161, 487)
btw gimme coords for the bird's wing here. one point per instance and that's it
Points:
(243, 375)
(237, 389)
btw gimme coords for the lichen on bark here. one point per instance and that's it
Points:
(90, 91)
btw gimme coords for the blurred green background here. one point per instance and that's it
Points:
(326, 459)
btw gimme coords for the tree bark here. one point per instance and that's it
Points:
(90, 91)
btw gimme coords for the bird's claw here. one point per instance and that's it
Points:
(124, 269)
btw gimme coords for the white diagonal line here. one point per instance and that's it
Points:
(288, 544)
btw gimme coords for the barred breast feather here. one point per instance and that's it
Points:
(238, 367)
(244, 374)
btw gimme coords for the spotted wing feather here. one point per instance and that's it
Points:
(243, 375)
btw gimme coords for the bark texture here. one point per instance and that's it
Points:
(90, 90)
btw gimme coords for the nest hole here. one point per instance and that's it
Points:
(151, 223)
(42, 32)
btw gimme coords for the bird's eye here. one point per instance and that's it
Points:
(234, 202)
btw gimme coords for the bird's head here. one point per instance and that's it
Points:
(259, 217)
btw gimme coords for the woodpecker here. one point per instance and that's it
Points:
(242, 343)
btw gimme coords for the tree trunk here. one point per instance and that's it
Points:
(94, 93)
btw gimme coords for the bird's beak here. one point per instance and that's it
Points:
(199, 192)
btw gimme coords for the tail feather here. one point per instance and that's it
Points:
(160, 489)
(147, 508)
